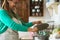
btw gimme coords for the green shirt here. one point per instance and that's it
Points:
(7, 22)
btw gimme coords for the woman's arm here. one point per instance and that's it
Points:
(5, 18)
(29, 24)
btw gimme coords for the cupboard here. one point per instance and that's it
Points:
(23, 9)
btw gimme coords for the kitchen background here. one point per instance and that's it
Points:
(51, 13)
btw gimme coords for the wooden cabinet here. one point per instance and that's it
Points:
(23, 9)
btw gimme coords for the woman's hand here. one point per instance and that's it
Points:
(33, 29)
(37, 22)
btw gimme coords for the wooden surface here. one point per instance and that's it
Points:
(23, 9)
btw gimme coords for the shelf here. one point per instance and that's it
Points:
(36, 8)
(35, 16)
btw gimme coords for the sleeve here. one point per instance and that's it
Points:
(5, 18)
(29, 24)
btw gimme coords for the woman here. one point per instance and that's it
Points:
(10, 24)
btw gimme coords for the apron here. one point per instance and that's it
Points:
(10, 34)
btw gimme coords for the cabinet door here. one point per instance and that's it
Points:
(23, 9)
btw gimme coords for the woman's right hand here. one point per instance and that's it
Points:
(33, 29)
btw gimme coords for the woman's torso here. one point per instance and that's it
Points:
(9, 34)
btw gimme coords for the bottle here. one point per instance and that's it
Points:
(37, 14)
(33, 14)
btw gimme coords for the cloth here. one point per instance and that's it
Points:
(9, 35)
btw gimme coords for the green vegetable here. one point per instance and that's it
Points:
(56, 30)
